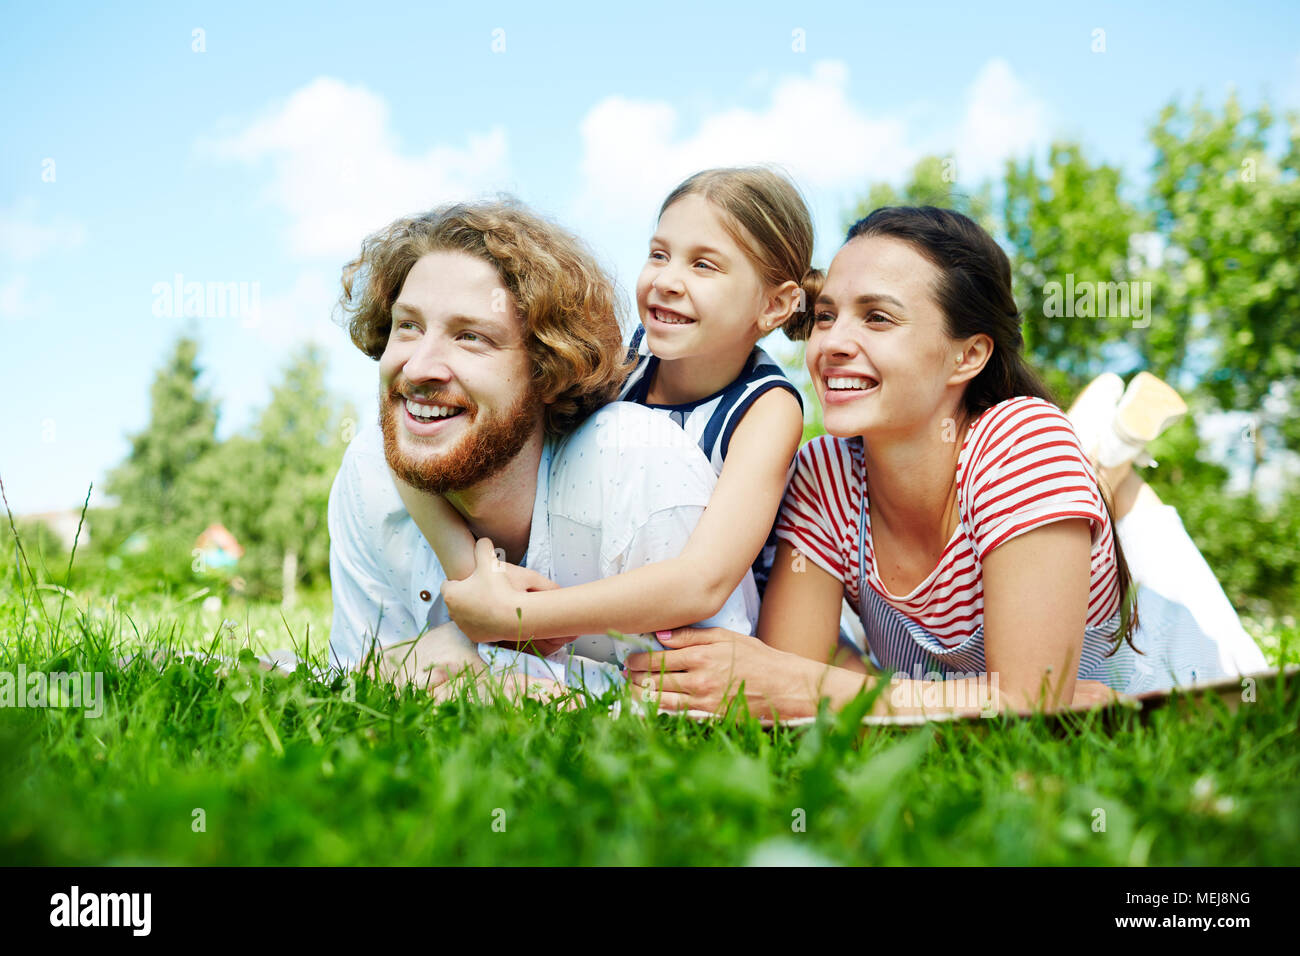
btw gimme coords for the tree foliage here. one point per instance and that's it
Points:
(1069, 227)
(269, 487)
(1212, 243)
(1229, 209)
(153, 485)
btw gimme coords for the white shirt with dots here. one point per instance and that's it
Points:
(624, 489)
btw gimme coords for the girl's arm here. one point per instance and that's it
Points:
(666, 594)
(453, 543)
(442, 526)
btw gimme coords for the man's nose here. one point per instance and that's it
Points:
(428, 363)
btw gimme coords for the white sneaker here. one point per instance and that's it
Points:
(1146, 409)
(1094, 410)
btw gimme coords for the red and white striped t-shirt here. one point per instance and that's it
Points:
(1020, 467)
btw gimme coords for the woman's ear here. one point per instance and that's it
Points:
(781, 303)
(970, 361)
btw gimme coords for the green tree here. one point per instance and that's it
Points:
(933, 181)
(301, 437)
(271, 488)
(156, 497)
(1070, 228)
(1230, 211)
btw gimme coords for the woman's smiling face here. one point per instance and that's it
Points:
(879, 352)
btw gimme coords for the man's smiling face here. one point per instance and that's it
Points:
(457, 401)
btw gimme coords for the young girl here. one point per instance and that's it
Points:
(726, 263)
(950, 499)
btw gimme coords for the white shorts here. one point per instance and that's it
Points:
(1187, 629)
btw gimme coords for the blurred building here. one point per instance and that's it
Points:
(63, 525)
(218, 547)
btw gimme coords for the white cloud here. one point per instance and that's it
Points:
(339, 172)
(15, 301)
(288, 317)
(299, 314)
(1003, 118)
(24, 238)
(633, 153)
(834, 144)
(295, 314)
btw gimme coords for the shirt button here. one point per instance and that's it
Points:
(425, 596)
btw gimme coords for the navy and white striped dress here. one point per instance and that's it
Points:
(712, 420)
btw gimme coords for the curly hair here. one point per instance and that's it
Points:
(567, 302)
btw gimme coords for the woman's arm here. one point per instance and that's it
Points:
(1035, 612)
(705, 668)
(801, 608)
(442, 526)
(1035, 609)
(683, 590)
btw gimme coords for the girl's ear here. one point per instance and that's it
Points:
(975, 354)
(782, 302)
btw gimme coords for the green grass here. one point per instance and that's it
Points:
(287, 770)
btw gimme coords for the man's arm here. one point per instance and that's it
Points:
(369, 614)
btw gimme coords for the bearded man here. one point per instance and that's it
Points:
(499, 347)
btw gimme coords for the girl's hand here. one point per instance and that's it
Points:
(483, 605)
(705, 668)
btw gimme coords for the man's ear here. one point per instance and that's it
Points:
(975, 354)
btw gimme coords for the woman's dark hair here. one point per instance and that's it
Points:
(974, 294)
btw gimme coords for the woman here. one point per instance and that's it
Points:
(950, 500)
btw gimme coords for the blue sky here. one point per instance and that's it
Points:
(267, 156)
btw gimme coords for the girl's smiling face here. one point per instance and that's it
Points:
(699, 291)
(879, 352)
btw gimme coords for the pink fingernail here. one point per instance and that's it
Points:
(663, 635)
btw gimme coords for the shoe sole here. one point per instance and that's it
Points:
(1147, 408)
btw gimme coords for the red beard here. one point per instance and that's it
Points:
(484, 449)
